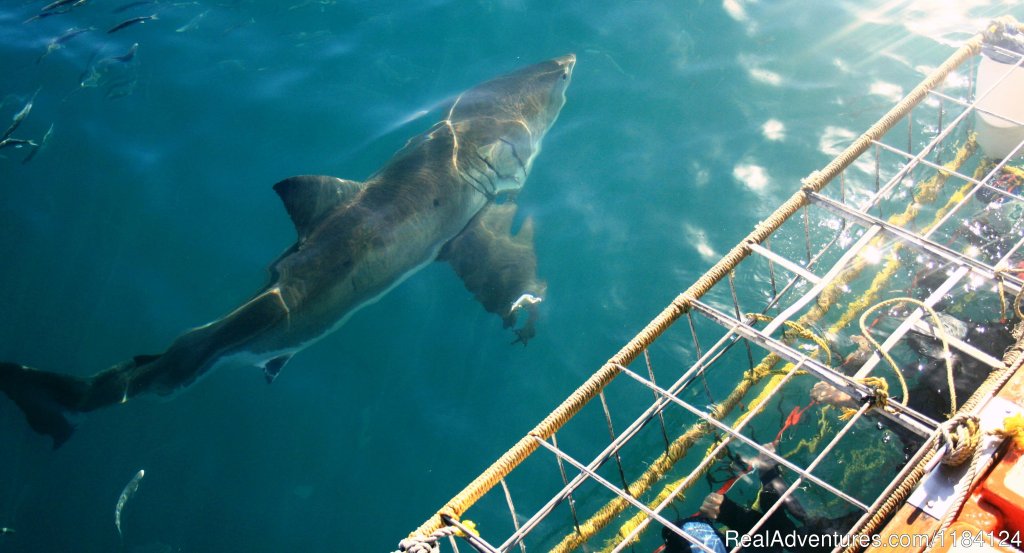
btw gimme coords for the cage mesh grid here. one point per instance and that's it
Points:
(916, 212)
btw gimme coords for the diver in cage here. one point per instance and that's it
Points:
(788, 528)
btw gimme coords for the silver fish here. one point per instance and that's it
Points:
(132, 21)
(16, 143)
(126, 494)
(39, 146)
(127, 56)
(193, 24)
(19, 117)
(60, 4)
(56, 8)
(107, 70)
(58, 42)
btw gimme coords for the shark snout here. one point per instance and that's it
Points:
(566, 63)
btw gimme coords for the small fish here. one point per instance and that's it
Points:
(36, 147)
(238, 26)
(16, 143)
(56, 8)
(58, 43)
(60, 4)
(126, 494)
(19, 117)
(120, 90)
(131, 5)
(72, 33)
(132, 21)
(39, 16)
(87, 74)
(127, 56)
(192, 24)
(5, 531)
(103, 71)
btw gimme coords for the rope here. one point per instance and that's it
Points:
(426, 544)
(885, 354)
(940, 333)
(927, 192)
(961, 435)
(1000, 273)
(800, 331)
(1016, 304)
(879, 398)
(960, 447)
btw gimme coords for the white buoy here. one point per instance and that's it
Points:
(1000, 116)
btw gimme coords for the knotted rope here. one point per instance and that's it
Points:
(431, 543)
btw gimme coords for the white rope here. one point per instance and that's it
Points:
(426, 544)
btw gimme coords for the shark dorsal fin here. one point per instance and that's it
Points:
(308, 198)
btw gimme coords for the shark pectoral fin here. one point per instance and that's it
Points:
(308, 198)
(498, 267)
(273, 367)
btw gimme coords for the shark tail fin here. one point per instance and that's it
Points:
(44, 397)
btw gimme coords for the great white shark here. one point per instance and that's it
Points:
(447, 195)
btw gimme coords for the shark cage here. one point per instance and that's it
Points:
(888, 292)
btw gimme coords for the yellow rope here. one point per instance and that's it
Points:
(940, 333)
(1016, 304)
(961, 435)
(1015, 171)
(1013, 427)
(885, 355)
(800, 331)
(811, 444)
(960, 447)
(999, 272)
(880, 395)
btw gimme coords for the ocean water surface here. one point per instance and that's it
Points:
(149, 210)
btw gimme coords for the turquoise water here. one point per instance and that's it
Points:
(149, 211)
